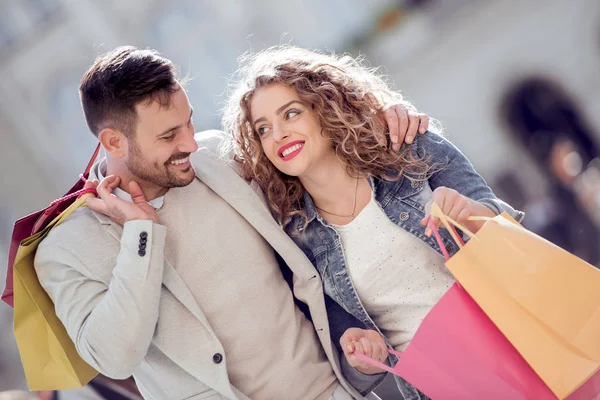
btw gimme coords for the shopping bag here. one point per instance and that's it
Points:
(458, 353)
(544, 300)
(33, 223)
(48, 355)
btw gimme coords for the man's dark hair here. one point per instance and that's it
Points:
(121, 79)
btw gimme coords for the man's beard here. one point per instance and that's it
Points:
(154, 173)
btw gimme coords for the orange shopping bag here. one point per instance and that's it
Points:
(545, 300)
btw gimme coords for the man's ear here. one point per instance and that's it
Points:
(114, 142)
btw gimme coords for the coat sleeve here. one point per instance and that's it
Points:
(111, 325)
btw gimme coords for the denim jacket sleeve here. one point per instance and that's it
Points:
(453, 170)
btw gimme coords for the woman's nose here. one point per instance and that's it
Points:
(280, 133)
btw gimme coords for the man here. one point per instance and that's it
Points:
(171, 275)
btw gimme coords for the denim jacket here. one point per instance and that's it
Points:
(403, 201)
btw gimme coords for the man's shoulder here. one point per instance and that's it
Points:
(78, 231)
(213, 140)
(82, 243)
(218, 145)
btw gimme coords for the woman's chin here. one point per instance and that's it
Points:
(291, 172)
(287, 168)
(294, 174)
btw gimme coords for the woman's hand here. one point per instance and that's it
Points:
(368, 342)
(455, 206)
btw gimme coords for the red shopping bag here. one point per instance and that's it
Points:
(33, 223)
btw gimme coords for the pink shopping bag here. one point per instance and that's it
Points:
(459, 354)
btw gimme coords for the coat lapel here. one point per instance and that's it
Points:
(225, 182)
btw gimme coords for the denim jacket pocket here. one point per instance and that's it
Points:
(416, 195)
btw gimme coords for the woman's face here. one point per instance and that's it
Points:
(289, 130)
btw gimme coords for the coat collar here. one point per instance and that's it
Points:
(247, 200)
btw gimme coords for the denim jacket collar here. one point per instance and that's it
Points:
(311, 209)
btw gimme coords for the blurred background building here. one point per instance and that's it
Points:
(515, 83)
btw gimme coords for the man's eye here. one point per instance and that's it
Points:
(168, 138)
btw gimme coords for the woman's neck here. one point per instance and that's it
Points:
(336, 193)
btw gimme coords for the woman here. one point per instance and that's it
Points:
(304, 126)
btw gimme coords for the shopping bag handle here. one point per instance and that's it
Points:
(450, 225)
(92, 161)
(448, 222)
(459, 241)
(438, 238)
(376, 363)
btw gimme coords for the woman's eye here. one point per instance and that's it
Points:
(292, 114)
(262, 130)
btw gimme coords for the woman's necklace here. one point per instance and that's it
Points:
(353, 207)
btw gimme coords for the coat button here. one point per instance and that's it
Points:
(414, 184)
(143, 240)
(217, 358)
(143, 235)
(142, 247)
(142, 252)
(404, 216)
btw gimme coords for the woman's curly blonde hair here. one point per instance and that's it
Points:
(347, 98)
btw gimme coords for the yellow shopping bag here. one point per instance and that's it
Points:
(49, 357)
(545, 300)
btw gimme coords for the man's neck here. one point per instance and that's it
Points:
(150, 191)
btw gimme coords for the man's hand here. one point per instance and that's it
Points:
(368, 342)
(455, 206)
(119, 210)
(404, 126)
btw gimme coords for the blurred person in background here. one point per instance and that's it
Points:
(547, 123)
(170, 275)
(303, 126)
